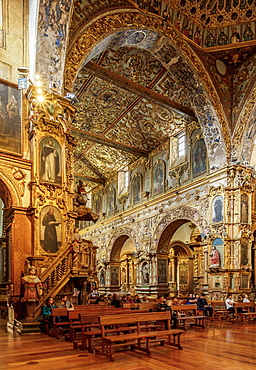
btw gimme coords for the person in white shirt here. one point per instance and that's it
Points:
(230, 303)
(246, 299)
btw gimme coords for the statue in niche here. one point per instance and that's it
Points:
(214, 258)
(145, 274)
(248, 35)
(235, 37)
(223, 38)
(210, 40)
(102, 278)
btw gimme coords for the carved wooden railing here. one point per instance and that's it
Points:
(69, 263)
(55, 277)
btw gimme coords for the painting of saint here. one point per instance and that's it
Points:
(244, 281)
(158, 178)
(217, 209)
(214, 258)
(50, 170)
(244, 209)
(210, 40)
(114, 275)
(98, 205)
(50, 229)
(198, 36)
(162, 270)
(199, 157)
(111, 201)
(183, 273)
(10, 119)
(244, 251)
(136, 189)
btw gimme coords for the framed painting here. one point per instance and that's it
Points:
(162, 271)
(51, 227)
(97, 204)
(244, 246)
(217, 209)
(136, 189)
(245, 281)
(50, 160)
(244, 209)
(199, 158)
(158, 177)
(114, 275)
(183, 273)
(111, 201)
(10, 118)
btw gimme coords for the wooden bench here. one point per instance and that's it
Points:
(248, 311)
(219, 310)
(187, 315)
(59, 314)
(140, 306)
(138, 332)
(87, 334)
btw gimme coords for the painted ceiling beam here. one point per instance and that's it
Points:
(137, 89)
(108, 142)
(91, 167)
(89, 178)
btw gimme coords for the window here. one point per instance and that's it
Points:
(181, 145)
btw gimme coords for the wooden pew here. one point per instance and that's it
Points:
(134, 322)
(248, 311)
(59, 314)
(86, 336)
(219, 310)
(184, 318)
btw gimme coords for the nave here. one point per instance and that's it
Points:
(219, 346)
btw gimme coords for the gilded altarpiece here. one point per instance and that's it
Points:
(52, 176)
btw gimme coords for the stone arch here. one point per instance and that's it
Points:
(117, 241)
(206, 102)
(180, 248)
(172, 221)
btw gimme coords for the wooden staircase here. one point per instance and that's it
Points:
(68, 264)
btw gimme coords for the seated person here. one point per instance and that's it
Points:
(163, 306)
(47, 308)
(47, 312)
(137, 299)
(144, 299)
(246, 299)
(101, 298)
(230, 304)
(115, 301)
(202, 305)
(123, 300)
(129, 299)
(64, 303)
(109, 298)
(191, 299)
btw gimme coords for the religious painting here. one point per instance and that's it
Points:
(210, 39)
(217, 209)
(114, 275)
(136, 189)
(162, 271)
(50, 160)
(244, 209)
(97, 204)
(50, 229)
(158, 177)
(10, 118)
(244, 281)
(199, 158)
(183, 273)
(111, 201)
(244, 245)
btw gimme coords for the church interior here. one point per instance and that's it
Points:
(128, 154)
